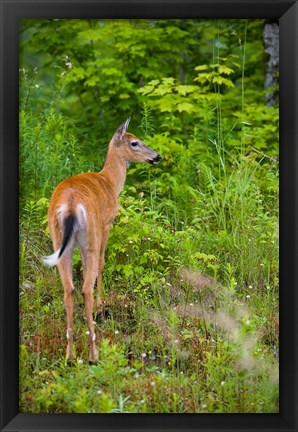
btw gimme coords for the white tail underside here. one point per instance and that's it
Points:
(53, 259)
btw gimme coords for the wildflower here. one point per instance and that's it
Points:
(99, 392)
(248, 296)
(222, 383)
(235, 283)
(250, 287)
(68, 62)
(144, 355)
(261, 265)
(190, 304)
(142, 401)
(176, 341)
(152, 383)
(80, 361)
(116, 332)
(130, 241)
(87, 332)
(24, 71)
(149, 238)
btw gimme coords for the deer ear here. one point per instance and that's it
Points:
(119, 134)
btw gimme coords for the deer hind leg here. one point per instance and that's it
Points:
(90, 274)
(65, 270)
(101, 262)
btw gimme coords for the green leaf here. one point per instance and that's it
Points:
(168, 81)
(162, 90)
(220, 80)
(185, 106)
(201, 67)
(205, 77)
(90, 35)
(225, 70)
(91, 82)
(149, 87)
(186, 89)
(165, 106)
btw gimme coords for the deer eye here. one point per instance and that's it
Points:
(134, 144)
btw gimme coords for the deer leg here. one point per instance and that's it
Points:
(65, 270)
(90, 271)
(101, 263)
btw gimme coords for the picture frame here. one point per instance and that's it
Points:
(287, 13)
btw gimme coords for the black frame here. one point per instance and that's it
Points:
(11, 12)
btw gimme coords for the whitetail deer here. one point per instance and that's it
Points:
(81, 211)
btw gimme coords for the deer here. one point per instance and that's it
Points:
(81, 211)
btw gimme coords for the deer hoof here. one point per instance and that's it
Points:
(93, 357)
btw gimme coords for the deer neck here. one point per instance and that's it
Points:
(114, 169)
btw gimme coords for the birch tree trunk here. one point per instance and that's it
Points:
(271, 42)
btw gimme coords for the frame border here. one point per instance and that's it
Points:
(11, 11)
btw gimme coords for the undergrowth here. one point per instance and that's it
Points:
(190, 286)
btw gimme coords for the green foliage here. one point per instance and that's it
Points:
(190, 285)
(50, 151)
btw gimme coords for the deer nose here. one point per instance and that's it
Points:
(157, 159)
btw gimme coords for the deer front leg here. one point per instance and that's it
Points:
(105, 236)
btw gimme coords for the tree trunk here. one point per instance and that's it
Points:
(271, 42)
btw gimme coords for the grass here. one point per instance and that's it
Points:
(190, 321)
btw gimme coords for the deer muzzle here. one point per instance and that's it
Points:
(155, 160)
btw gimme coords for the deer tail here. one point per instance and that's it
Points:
(69, 224)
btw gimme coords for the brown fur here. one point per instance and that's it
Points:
(97, 194)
